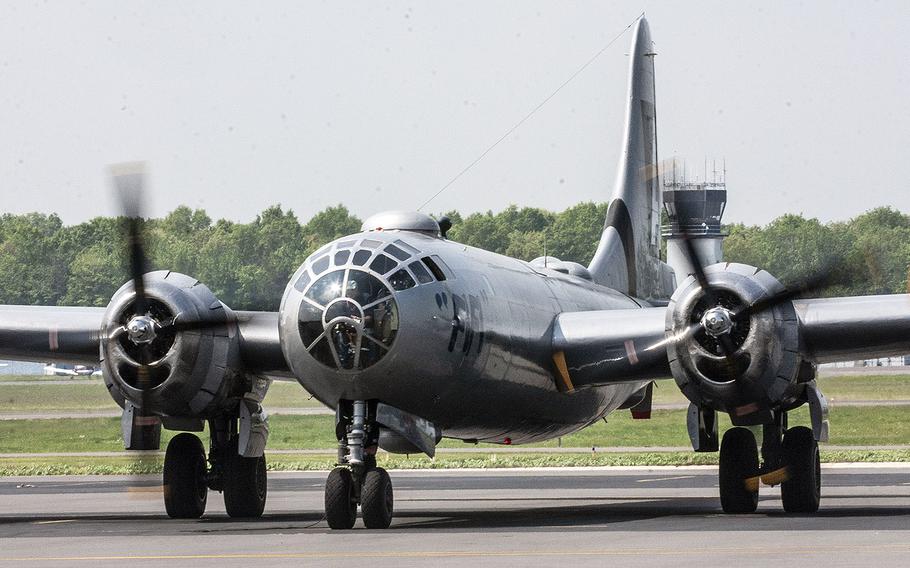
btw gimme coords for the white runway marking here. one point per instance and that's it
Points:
(652, 480)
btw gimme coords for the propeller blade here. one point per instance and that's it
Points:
(129, 182)
(199, 325)
(698, 268)
(724, 341)
(143, 377)
(814, 283)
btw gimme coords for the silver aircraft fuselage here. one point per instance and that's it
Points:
(471, 353)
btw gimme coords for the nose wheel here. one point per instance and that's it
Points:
(357, 480)
(340, 499)
(376, 499)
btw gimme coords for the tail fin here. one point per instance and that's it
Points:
(628, 256)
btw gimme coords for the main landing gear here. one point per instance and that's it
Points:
(790, 459)
(187, 479)
(357, 480)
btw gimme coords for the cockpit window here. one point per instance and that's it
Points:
(420, 272)
(341, 257)
(370, 243)
(397, 252)
(406, 247)
(443, 266)
(434, 268)
(349, 319)
(362, 256)
(320, 265)
(382, 264)
(401, 280)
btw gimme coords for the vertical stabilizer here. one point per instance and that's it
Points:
(628, 256)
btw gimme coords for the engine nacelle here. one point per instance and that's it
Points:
(767, 355)
(173, 371)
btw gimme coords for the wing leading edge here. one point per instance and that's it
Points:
(610, 346)
(598, 348)
(72, 335)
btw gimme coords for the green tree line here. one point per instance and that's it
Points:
(247, 265)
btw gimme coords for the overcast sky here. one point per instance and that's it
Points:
(377, 105)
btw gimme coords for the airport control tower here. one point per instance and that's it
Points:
(695, 209)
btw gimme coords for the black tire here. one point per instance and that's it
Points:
(802, 491)
(185, 488)
(245, 485)
(376, 499)
(738, 462)
(340, 504)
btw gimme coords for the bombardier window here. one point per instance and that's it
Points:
(341, 257)
(365, 289)
(302, 282)
(326, 288)
(309, 317)
(349, 319)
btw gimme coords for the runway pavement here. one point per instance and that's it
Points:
(592, 516)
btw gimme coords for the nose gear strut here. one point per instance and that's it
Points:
(357, 480)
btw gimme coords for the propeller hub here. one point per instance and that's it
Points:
(141, 330)
(717, 321)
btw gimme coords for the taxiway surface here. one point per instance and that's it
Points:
(628, 516)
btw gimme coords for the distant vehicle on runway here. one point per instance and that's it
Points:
(67, 370)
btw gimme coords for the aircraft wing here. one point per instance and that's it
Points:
(852, 328)
(50, 333)
(615, 346)
(73, 335)
(610, 346)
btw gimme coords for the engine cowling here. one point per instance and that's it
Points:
(161, 360)
(767, 355)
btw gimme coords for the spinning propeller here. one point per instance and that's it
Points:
(723, 320)
(148, 328)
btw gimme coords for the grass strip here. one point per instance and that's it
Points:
(850, 426)
(76, 396)
(153, 464)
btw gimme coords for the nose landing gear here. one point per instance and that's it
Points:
(357, 480)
